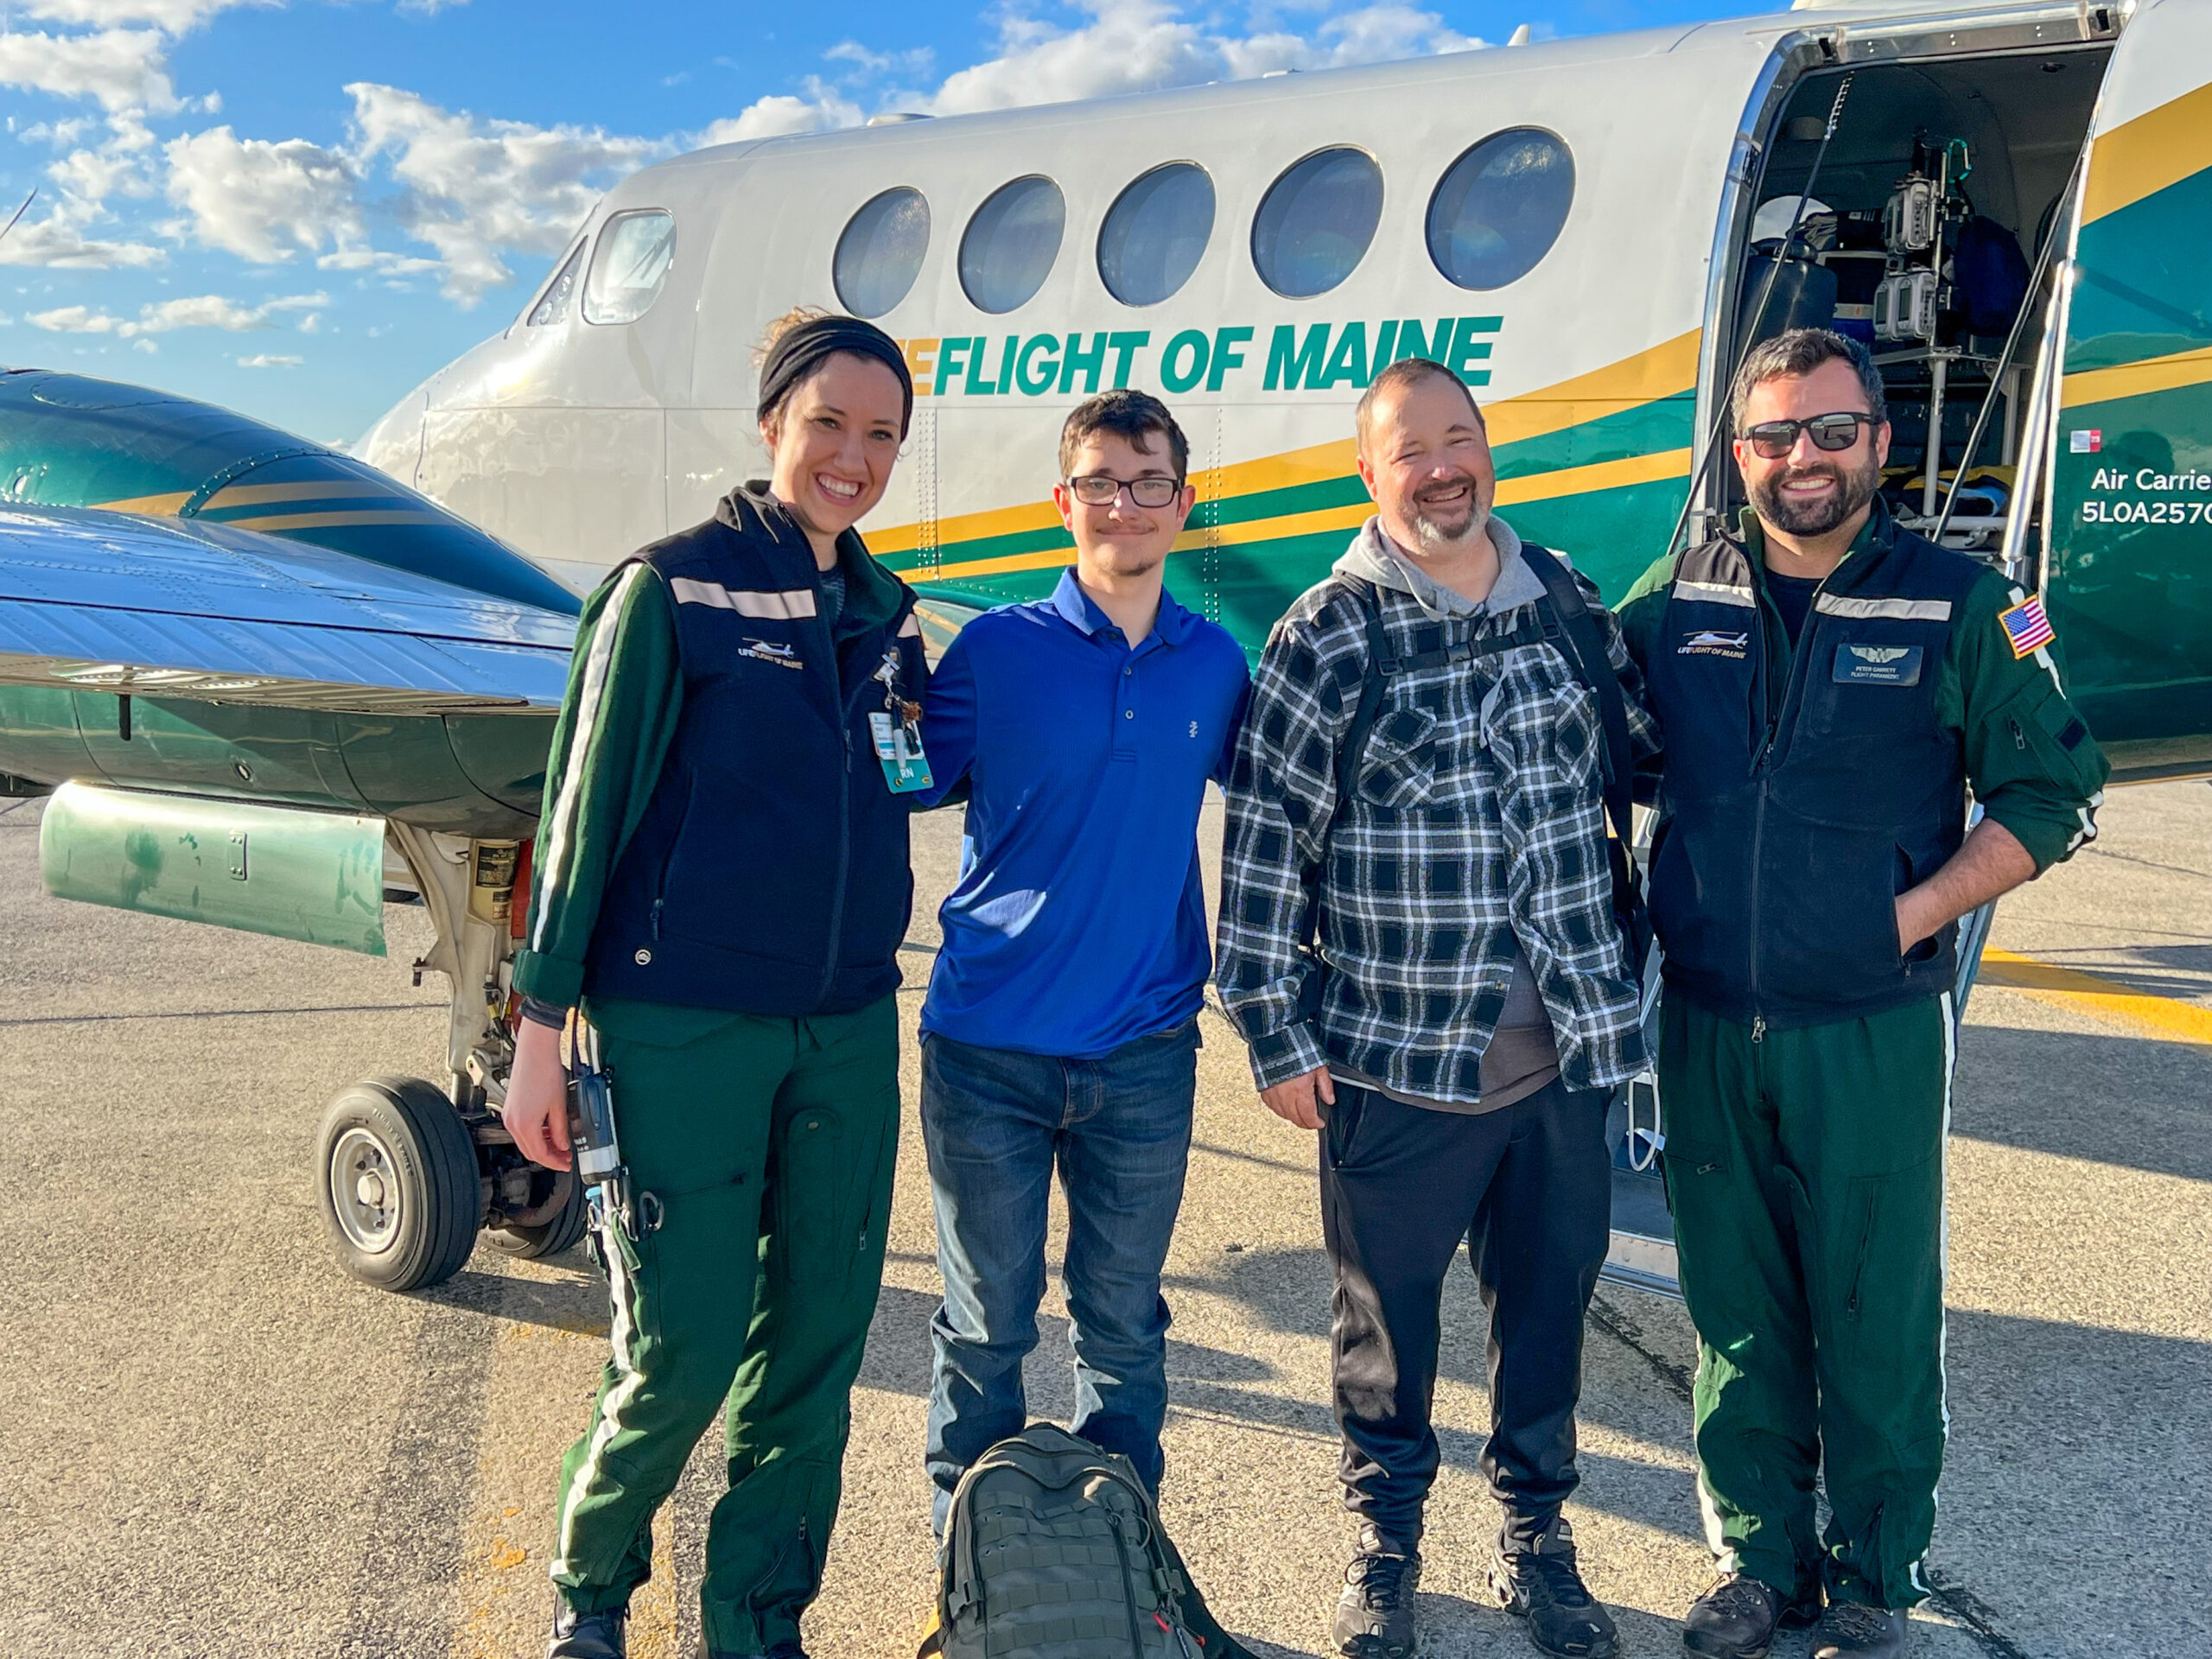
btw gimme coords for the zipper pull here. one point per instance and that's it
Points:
(1759, 1027)
(2019, 737)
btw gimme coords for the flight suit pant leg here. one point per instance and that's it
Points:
(694, 1101)
(832, 1149)
(1806, 1173)
(735, 1123)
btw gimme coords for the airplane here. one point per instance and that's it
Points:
(220, 639)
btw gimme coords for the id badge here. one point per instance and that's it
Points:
(899, 746)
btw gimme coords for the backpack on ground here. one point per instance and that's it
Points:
(1053, 1550)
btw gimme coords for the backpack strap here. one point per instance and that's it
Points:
(1568, 616)
(1384, 662)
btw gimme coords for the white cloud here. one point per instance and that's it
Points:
(122, 68)
(165, 316)
(780, 114)
(1132, 45)
(141, 344)
(475, 189)
(267, 361)
(6, 320)
(1128, 46)
(264, 201)
(78, 189)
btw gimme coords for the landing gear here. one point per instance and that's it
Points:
(558, 1223)
(397, 1183)
(411, 1172)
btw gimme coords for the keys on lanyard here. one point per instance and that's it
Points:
(898, 733)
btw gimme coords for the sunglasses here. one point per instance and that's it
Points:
(1774, 440)
(1098, 490)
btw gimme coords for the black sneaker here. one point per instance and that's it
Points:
(1737, 1617)
(1850, 1630)
(1541, 1585)
(587, 1636)
(1375, 1615)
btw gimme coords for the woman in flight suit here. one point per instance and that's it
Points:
(721, 889)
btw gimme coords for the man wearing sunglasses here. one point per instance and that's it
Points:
(1061, 1025)
(1830, 685)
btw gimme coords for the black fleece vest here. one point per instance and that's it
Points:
(1783, 845)
(769, 874)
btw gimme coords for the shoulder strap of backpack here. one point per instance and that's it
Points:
(1586, 651)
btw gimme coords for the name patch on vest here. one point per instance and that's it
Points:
(1713, 642)
(1877, 664)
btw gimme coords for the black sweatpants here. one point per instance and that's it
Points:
(1530, 1188)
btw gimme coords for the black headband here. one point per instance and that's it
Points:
(800, 351)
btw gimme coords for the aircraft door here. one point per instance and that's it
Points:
(2128, 581)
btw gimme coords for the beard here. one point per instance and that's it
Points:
(1441, 526)
(1853, 490)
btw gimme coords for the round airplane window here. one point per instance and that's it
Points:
(1011, 242)
(880, 252)
(1316, 221)
(1499, 208)
(1154, 233)
(629, 266)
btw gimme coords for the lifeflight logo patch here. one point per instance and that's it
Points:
(1712, 642)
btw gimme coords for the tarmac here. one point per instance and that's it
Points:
(217, 1443)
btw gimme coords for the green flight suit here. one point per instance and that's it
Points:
(1804, 1164)
(769, 1144)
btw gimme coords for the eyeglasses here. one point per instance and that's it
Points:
(1773, 439)
(1100, 490)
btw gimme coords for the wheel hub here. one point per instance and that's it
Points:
(365, 1192)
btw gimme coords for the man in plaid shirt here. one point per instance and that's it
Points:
(1476, 1006)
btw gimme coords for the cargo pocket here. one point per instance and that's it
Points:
(1684, 1160)
(1888, 1311)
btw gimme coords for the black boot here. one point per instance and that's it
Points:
(1851, 1630)
(589, 1636)
(1375, 1615)
(1541, 1585)
(1737, 1617)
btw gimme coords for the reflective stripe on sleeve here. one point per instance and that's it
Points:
(787, 604)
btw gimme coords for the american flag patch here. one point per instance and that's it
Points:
(2027, 627)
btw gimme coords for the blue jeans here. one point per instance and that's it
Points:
(995, 1123)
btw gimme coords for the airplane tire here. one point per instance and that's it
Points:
(561, 1231)
(397, 1183)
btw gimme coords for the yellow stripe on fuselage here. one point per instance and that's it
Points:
(1540, 487)
(153, 506)
(273, 521)
(265, 495)
(2141, 157)
(1665, 370)
(2136, 380)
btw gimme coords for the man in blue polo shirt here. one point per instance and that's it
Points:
(1061, 1025)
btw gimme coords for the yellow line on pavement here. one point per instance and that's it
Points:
(2097, 996)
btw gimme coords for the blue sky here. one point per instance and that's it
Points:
(302, 207)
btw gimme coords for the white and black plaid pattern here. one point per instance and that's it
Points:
(1477, 819)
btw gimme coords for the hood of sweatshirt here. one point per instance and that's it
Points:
(1373, 556)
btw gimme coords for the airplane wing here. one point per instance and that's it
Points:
(169, 607)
